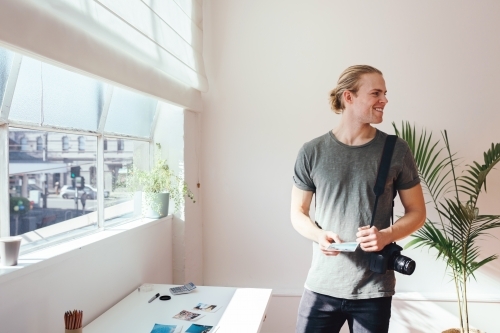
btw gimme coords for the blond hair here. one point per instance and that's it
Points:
(348, 80)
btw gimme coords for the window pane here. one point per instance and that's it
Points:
(42, 197)
(121, 205)
(130, 113)
(28, 94)
(69, 100)
(5, 66)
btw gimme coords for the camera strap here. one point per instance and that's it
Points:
(383, 171)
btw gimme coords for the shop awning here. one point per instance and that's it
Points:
(31, 168)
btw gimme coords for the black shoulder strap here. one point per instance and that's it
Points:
(383, 171)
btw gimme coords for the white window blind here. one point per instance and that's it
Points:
(149, 45)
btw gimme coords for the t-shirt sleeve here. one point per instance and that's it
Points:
(302, 172)
(408, 177)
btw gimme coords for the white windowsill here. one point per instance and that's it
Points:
(51, 255)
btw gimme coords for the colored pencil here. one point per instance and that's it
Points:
(73, 319)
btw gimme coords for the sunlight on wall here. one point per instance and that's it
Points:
(417, 317)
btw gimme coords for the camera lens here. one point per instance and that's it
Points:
(404, 265)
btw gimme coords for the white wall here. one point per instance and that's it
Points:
(92, 278)
(177, 131)
(193, 216)
(271, 65)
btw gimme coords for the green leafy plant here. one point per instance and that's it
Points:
(454, 199)
(160, 179)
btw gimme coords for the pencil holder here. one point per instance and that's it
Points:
(78, 330)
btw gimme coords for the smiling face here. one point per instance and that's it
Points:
(367, 105)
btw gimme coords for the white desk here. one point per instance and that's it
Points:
(243, 310)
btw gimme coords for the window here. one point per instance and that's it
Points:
(24, 144)
(61, 117)
(55, 97)
(121, 145)
(40, 203)
(65, 143)
(140, 112)
(81, 143)
(39, 143)
(6, 58)
(45, 203)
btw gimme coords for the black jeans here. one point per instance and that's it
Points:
(325, 314)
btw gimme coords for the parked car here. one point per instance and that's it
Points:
(68, 192)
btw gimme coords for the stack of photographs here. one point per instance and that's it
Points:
(194, 316)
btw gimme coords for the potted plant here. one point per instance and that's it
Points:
(160, 185)
(454, 198)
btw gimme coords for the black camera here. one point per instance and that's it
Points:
(390, 258)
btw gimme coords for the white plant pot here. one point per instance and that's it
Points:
(157, 207)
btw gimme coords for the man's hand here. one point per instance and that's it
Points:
(370, 239)
(325, 239)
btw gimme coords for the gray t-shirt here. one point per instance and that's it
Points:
(342, 178)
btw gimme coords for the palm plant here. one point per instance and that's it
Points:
(459, 223)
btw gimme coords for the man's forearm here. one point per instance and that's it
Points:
(405, 226)
(414, 217)
(305, 226)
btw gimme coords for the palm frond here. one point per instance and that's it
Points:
(432, 166)
(475, 179)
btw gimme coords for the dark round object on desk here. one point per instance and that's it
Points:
(165, 298)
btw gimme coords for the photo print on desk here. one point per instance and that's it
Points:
(206, 307)
(159, 328)
(195, 328)
(189, 316)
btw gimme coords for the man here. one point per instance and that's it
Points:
(340, 169)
